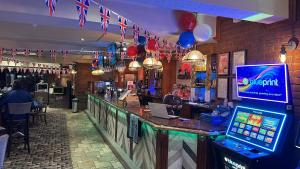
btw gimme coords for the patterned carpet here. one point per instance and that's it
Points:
(49, 145)
(67, 141)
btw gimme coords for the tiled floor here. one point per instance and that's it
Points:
(67, 141)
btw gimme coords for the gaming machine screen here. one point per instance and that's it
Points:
(257, 127)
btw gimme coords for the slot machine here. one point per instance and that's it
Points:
(260, 134)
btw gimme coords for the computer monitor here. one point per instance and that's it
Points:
(257, 127)
(58, 90)
(42, 87)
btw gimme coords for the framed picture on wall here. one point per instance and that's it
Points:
(222, 89)
(223, 63)
(238, 58)
(234, 90)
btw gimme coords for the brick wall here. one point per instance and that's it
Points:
(263, 43)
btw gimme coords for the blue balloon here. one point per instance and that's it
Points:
(142, 40)
(186, 39)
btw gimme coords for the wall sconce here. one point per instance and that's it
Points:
(282, 54)
(291, 45)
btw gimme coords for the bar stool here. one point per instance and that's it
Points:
(18, 119)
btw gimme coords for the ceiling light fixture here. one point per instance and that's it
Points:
(134, 65)
(150, 63)
(194, 56)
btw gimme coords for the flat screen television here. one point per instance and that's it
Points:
(42, 87)
(259, 128)
(267, 82)
(58, 90)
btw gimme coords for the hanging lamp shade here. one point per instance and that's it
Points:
(150, 63)
(194, 56)
(97, 72)
(134, 65)
(158, 65)
(161, 69)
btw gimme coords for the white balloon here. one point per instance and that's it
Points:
(203, 32)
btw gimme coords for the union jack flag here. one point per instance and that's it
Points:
(105, 16)
(82, 7)
(64, 54)
(53, 54)
(1, 54)
(39, 52)
(123, 25)
(1, 51)
(96, 54)
(26, 52)
(136, 32)
(123, 54)
(51, 5)
(13, 53)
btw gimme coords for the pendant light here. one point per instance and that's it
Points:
(97, 72)
(150, 62)
(134, 65)
(158, 65)
(194, 56)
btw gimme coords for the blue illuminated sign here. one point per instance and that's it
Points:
(257, 127)
(263, 82)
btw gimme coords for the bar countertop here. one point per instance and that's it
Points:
(201, 126)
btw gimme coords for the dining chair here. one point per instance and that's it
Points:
(18, 119)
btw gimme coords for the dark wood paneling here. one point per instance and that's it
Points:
(162, 142)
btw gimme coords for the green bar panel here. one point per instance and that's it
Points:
(183, 134)
(122, 113)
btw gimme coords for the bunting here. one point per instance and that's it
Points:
(39, 53)
(51, 4)
(1, 54)
(96, 54)
(13, 54)
(136, 33)
(123, 25)
(52, 55)
(82, 7)
(123, 54)
(26, 52)
(105, 16)
(64, 54)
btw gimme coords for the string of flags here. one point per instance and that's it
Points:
(82, 7)
(32, 67)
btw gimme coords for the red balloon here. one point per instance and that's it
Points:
(152, 45)
(132, 51)
(187, 21)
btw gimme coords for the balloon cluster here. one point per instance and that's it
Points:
(191, 31)
(144, 45)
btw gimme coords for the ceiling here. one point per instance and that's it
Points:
(27, 24)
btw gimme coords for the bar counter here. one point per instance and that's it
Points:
(172, 144)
